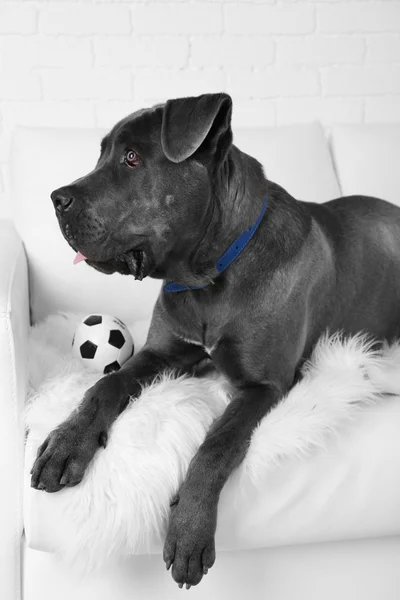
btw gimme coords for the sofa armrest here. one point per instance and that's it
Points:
(14, 328)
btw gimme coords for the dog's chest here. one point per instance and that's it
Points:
(196, 321)
(208, 349)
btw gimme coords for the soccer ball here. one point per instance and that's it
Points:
(103, 343)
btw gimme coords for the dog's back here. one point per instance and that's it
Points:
(365, 233)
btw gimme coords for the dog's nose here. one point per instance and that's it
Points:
(62, 199)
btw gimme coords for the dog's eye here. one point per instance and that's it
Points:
(131, 158)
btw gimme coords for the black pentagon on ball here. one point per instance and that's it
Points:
(116, 338)
(93, 320)
(88, 350)
(114, 366)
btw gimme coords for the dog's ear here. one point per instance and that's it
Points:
(192, 124)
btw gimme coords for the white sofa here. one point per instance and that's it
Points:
(359, 557)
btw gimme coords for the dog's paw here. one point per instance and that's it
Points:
(63, 457)
(190, 546)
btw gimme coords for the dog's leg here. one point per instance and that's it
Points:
(260, 379)
(189, 545)
(65, 454)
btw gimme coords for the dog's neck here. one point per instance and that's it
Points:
(239, 190)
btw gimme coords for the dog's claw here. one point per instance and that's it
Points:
(180, 585)
(103, 439)
(174, 501)
(168, 564)
(205, 570)
(188, 586)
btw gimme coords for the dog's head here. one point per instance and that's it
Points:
(147, 197)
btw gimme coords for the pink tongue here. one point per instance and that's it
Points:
(79, 257)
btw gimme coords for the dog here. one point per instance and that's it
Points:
(252, 278)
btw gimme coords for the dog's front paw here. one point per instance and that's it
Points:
(189, 546)
(63, 457)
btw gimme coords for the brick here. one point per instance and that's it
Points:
(253, 113)
(84, 19)
(21, 85)
(232, 50)
(343, 17)
(157, 85)
(325, 110)
(382, 110)
(168, 18)
(320, 50)
(109, 113)
(64, 52)
(154, 51)
(18, 51)
(265, 19)
(356, 81)
(17, 18)
(148, 1)
(272, 82)
(35, 51)
(50, 114)
(249, 1)
(383, 48)
(86, 84)
(5, 143)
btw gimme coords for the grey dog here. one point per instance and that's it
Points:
(169, 195)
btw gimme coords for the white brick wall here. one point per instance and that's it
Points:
(87, 63)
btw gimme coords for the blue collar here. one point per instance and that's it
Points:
(228, 256)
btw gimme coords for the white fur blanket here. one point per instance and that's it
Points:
(124, 498)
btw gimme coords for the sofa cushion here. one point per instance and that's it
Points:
(367, 160)
(295, 156)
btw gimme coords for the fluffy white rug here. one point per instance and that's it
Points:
(124, 498)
